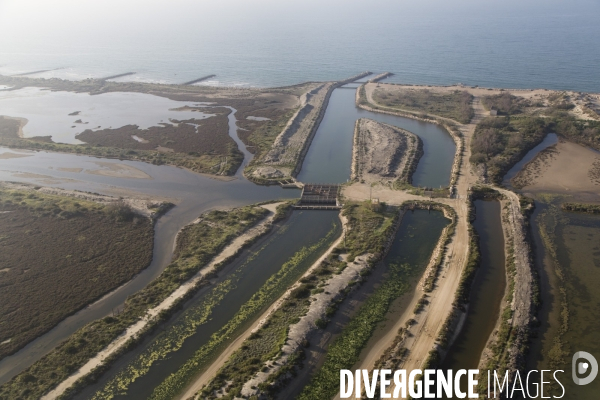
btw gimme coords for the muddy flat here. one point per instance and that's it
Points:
(566, 168)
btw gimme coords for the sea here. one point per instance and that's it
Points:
(551, 44)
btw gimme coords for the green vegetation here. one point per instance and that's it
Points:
(197, 244)
(500, 142)
(266, 343)
(274, 287)
(423, 191)
(376, 219)
(261, 139)
(454, 105)
(505, 103)
(581, 207)
(344, 352)
(255, 352)
(59, 254)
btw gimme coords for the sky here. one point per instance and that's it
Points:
(76, 20)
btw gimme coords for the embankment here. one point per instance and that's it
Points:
(287, 154)
(382, 152)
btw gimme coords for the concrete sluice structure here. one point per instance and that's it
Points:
(319, 196)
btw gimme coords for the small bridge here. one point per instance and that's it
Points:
(320, 196)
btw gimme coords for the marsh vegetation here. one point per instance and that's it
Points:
(197, 244)
(60, 253)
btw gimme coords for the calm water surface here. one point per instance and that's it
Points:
(548, 141)
(522, 44)
(486, 293)
(48, 112)
(194, 194)
(330, 155)
(576, 238)
(255, 266)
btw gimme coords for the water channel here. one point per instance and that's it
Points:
(567, 249)
(248, 273)
(413, 244)
(486, 292)
(548, 141)
(567, 258)
(194, 194)
(329, 158)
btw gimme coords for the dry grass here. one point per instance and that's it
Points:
(455, 105)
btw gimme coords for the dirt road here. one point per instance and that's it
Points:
(431, 319)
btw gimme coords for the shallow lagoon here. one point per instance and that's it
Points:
(48, 112)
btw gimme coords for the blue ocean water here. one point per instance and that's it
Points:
(520, 44)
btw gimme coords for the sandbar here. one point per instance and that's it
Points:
(118, 171)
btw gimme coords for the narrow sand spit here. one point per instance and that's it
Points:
(46, 179)
(76, 170)
(166, 304)
(211, 371)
